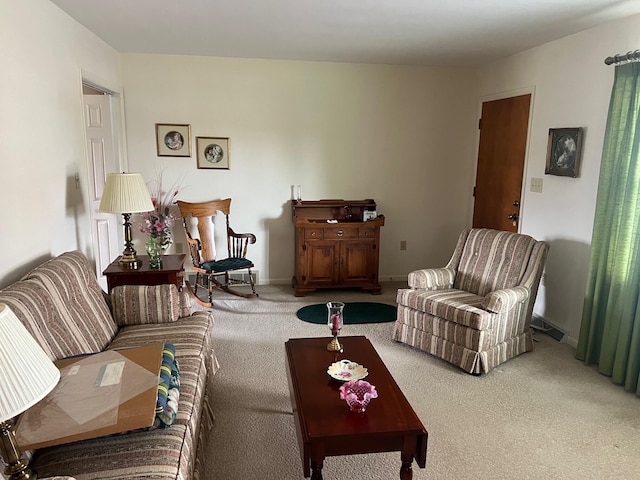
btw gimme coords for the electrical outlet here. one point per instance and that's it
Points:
(536, 185)
(403, 244)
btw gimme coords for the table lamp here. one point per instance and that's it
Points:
(27, 375)
(126, 193)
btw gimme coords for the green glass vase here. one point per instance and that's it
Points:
(154, 250)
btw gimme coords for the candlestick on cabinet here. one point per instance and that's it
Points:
(335, 322)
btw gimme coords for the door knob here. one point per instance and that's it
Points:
(516, 203)
(513, 216)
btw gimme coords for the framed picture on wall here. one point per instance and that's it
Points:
(173, 140)
(563, 151)
(213, 152)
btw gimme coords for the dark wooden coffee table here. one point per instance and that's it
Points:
(324, 424)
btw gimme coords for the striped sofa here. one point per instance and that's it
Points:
(66, 311)
(476, 311)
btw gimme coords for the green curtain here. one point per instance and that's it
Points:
(610, 331)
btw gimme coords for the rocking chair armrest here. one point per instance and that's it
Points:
(250, 236)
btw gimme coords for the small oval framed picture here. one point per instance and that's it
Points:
(564, 149)
(173, 140)
(213, 152)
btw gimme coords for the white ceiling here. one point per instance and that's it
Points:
(410, 32)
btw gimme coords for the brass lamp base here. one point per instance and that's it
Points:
(334, 345)
(130, 261)
(129, 258)
(17, 467)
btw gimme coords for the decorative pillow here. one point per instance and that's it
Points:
(143, 304)
(168, 388)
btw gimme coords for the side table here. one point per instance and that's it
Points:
(172, 271)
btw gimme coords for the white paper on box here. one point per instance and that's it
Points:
(110, 374)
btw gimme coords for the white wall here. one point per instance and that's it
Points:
(572, 89)
(41, 132)
(404, 136)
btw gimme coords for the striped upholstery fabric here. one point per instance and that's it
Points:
(432, 279)
(64, 308)
(492, 260)
(192, 337)
(454, 305)
(142, 304)
(475, 312)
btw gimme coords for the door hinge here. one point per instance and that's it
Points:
(474, 191)
(479, 124)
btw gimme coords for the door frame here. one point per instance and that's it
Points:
(530, 90)
(116, 102)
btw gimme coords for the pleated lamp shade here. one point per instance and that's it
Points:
(26, 373)
(125, 193)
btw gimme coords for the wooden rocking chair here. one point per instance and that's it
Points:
(203, 252)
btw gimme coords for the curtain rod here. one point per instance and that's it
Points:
(627, 57)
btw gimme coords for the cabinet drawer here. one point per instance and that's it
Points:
(337, 233)
(368, 232)
(313, 233)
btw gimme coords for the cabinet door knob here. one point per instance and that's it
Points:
(339, 233)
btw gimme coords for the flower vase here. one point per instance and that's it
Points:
(154, 250)
(358, 394)
(166, 240)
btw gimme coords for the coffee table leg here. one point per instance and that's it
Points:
(316, 470)
(406, 472)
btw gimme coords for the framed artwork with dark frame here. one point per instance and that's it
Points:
(563, 151)
(213, 152)
(173, 140)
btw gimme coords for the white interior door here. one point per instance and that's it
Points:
(99, 133)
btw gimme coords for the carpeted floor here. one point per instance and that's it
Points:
(541, 415)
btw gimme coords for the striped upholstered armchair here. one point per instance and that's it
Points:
(476, 311)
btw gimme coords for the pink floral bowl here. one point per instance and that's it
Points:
(358, 394)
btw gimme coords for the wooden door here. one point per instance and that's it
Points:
(501, 153)
(320, 262)
(357, 261)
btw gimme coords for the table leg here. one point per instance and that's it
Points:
(316, 470)
(406, 472)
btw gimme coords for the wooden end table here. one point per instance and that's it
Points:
(325, 426)
(172, 271)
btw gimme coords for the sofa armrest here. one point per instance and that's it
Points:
(432, 278)
(143, 304)
(504, 300)
(184, 300)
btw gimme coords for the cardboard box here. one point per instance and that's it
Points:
(109, 392)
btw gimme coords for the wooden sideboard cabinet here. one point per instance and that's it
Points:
(343, 253)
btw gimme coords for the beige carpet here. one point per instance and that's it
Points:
(541, 415)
